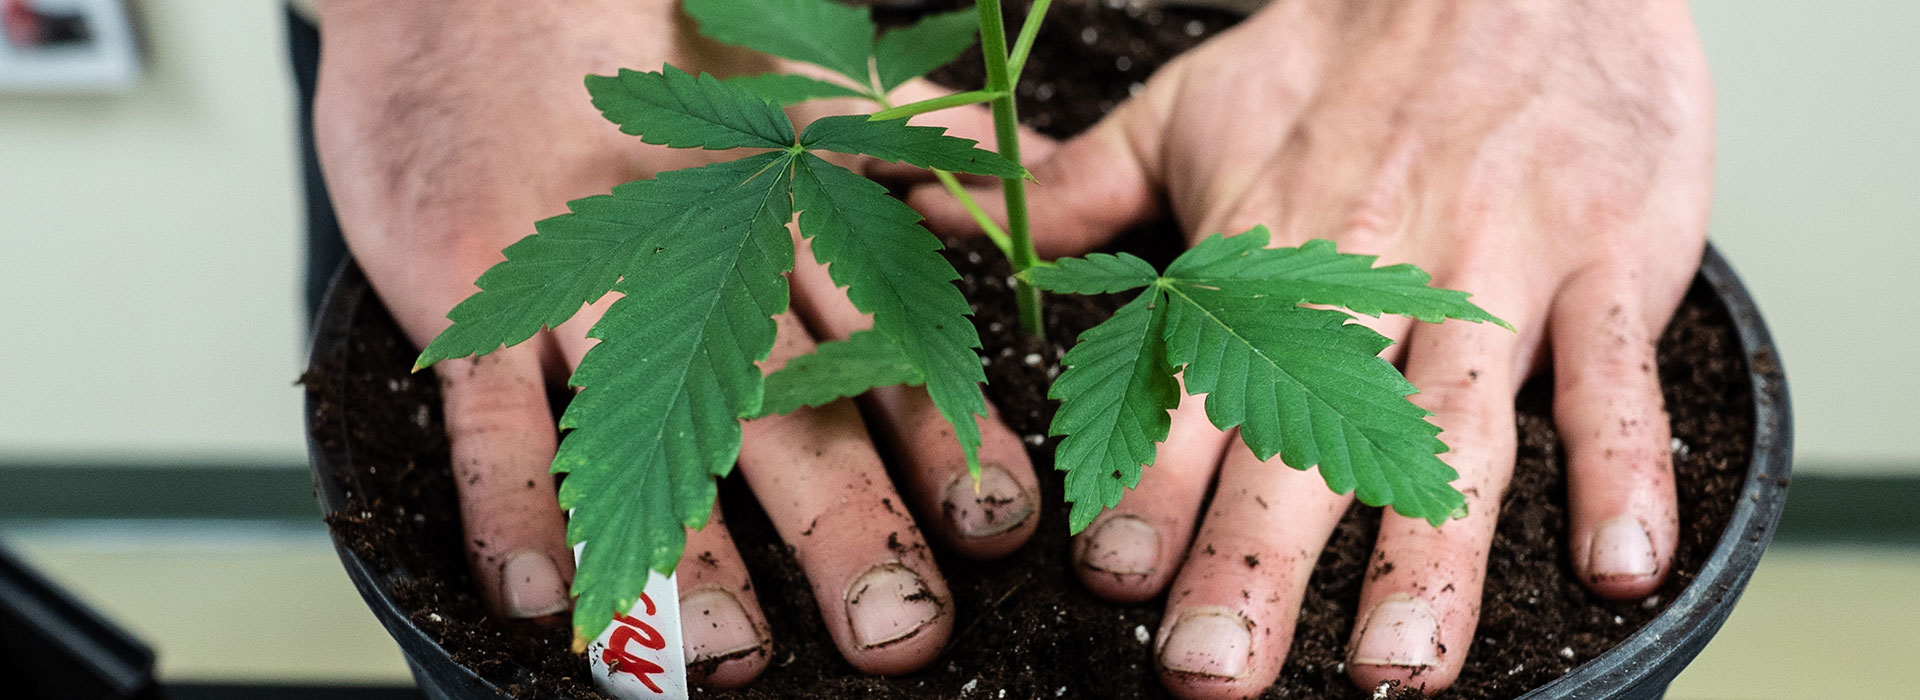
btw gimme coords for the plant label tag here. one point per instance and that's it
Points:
(638, 656)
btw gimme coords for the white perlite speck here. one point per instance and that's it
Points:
(1032, 359)
(968, 688)
(1140, 634)
(1566, 652)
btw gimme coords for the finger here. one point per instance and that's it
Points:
(1613, 422)
(823, 486)
(1231, 615)
(722, 628)
(502, 438)
(986, 520)
(1092, 187)
(1421, 601)
(1131, 551)
(972, 122)
(982, 523)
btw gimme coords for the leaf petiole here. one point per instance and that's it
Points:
(1024, 44)
(938, 103)
(987, 226)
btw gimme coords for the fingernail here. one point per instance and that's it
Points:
(716, 626)
(1621, 548)
(1208, 642)
(998, 506)
(889, 603)
(1124, 545)
(532, 585)
(1400, 631)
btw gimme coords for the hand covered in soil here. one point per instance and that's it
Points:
(446, 130)
(1553, 159)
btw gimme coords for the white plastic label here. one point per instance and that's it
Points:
(639, 656)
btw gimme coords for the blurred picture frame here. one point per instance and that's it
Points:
(67, 46)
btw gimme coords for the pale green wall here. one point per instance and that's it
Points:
(148, 254)
(148, 298)
(1818, 205)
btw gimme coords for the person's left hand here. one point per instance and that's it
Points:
(1552, 159)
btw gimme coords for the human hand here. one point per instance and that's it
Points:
(1554, 159)
(446, 130)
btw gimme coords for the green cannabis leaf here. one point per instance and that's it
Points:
(675, 109)
(783, 89)
(1316, 273)
(827, 34)
(1098, 273)
(663, 392)
(837, 37)
(1311, 387)
(839, 368)
(916, 50)
(1114, 398)
(577, 258)
(895, 142)
(874, 246)
(1300, 382)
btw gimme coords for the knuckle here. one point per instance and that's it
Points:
(1384, 207)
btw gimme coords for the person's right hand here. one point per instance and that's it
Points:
(445, 130)
(1552, 158)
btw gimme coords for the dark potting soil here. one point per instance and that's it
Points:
(1023, 624)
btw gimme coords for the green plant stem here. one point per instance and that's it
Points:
(987, 226)
(1024, 44)
(980, 217)
(1006, 128)
(935, 104)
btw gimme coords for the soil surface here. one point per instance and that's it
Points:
(1025, 628)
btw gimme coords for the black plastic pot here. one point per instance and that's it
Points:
(51, 646)
(1638, 669)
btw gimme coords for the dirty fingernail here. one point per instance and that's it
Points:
(716, 626)
(1123, 545)
(532, 586)
(1400, 631)
(1208, 642)
(1621, 548)
(998, 506)
(889, 603)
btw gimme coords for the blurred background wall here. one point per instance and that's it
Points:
(149, 255)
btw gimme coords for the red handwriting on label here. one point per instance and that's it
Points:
(619, 656)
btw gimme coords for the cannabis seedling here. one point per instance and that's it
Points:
(699, 256)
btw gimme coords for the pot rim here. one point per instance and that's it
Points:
(1646, 661)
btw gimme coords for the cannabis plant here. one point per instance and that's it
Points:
(698, 256)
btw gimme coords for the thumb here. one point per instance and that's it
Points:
(1083, 194)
